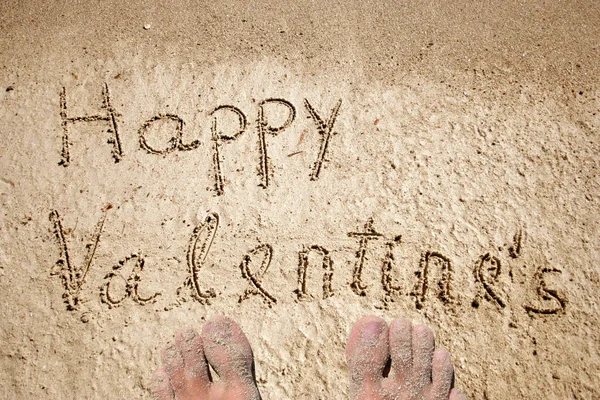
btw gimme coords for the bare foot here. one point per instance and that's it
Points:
(418, 371)
(186, 375)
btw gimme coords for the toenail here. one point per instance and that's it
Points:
(371, 332)
(189, 334)
(161, 379)
(171, 353)
(221, 333)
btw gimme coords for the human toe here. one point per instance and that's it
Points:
(174, 366)
(196, 376)
(228, 351)
(367, 352)
(442, 374)
(423, 346)
(401, 351)
(161, 387)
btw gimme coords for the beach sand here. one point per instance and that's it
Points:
(295, 166)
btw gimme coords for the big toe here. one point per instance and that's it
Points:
(184, 366)
(367, 354)
(196, 378)
(228, 351)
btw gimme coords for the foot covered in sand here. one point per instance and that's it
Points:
(398, 362)
(186, 374)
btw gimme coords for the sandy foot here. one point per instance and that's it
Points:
(398, 362)
(186, 374)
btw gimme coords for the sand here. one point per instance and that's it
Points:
(297, 165)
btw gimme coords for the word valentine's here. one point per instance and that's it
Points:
(434, 276)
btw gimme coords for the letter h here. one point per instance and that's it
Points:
(110, 116)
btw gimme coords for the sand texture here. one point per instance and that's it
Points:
(295, 166)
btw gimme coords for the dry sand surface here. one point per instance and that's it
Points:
(297, 165)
